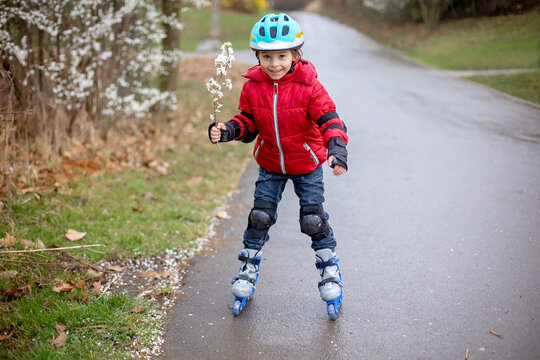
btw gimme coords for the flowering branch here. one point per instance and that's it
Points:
(222, 62)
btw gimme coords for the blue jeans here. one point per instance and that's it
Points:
(308, 187)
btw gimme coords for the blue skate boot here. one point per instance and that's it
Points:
(243, 284)
(330, 285)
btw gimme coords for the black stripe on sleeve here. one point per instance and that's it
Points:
(248, 115)
(336, 126)
(327, 117)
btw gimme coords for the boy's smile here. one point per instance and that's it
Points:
(276, 63)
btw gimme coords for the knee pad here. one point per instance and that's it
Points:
(262, 216)
(313, 222)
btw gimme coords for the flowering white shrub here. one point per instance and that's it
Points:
(215, 87)
(97, 55)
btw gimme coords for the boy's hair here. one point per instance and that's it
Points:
(296, 52)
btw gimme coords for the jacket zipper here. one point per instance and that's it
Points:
(278, 141)
(308, 148)
(258, 148)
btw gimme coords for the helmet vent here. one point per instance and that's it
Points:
(285, 31)
(264, 18)
(274, 19)
(286, 18)
(261, 31)
(273, 32)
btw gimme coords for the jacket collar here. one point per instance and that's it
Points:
(304, 72)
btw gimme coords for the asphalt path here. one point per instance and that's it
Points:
(437, 222)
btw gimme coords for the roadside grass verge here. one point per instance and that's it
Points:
(166, 202)
(234, 27)
(502, 42)
(525, 86)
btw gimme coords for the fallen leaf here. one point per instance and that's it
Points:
(162, 170)
(8, 240)
(222, 214)
(73, 235)
(62, 287)
(155, 275)
(27, 190)
(46, 303)
(117, 268)
(27, 243)
(80, 284)
(99, 328)
(8, 274)
(93, 272)
(96, 287)
(150, 275)
(60, 328)
(148, 196)
(137, 309)
(194, 181)
(39, 244)
(6, 337)
(37, 197)
(60, 340)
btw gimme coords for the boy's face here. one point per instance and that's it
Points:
(276, 63)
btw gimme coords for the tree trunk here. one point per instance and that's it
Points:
(214, 30)
(170, 43)
(431, 11)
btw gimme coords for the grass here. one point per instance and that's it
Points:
(234, 27)
(502, 42)
(525, 86)
(133, 211)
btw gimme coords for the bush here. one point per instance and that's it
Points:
(248, 6)
(290, 4)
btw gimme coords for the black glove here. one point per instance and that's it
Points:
(337, 149)
(228, 134)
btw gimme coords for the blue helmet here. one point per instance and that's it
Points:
(276, 32)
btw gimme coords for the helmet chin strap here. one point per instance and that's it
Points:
(293, 65)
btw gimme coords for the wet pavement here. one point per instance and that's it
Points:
(437, 221)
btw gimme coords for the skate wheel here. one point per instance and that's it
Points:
(332, 312)
(236, 307)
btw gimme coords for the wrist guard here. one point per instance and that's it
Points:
(337, 149)
(228, 134)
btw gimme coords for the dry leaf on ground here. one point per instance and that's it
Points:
(96, 287)
(222, 214)
(99, 328)
(73, 235)
(62, 287)
(60, 328)
(194, 181)
(117, 268)
(8, 240)
(27, 243)
(60, 340)
(137, 309)
(8, 274)
(155, 275)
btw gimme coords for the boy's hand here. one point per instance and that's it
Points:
(215, 132)
(338, 170)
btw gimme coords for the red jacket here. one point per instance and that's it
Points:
(294, 118)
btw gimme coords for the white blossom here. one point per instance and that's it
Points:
(223, 61)
(97, 50)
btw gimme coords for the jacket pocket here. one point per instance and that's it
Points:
(313, 156)
(258, 148)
